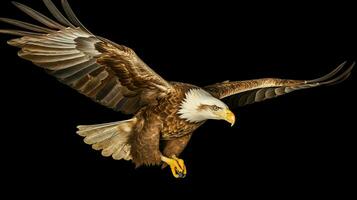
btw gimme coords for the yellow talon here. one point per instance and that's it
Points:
(177, 166)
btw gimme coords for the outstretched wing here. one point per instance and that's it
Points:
(241, 93)
(110, 74)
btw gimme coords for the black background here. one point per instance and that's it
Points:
(296, 144)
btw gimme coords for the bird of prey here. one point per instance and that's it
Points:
(164, 113)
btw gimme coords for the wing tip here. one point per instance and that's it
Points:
(17, 4)
(334, 75)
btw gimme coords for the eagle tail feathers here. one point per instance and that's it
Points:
(112, 138)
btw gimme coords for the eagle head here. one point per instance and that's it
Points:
(198, 105)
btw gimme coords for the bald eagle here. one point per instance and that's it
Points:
(164, 114)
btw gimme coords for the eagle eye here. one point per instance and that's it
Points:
(215, 108)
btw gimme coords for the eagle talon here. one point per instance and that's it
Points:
(177, 166)
(181, 175)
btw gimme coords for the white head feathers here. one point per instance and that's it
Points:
(194, 98)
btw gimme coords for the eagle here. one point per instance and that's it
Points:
(164, 114)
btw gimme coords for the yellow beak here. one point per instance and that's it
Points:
(229, 116)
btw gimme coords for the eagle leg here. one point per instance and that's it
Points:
(177, 166)
(174, 147)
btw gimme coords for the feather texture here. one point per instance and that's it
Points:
(27, 26)
(72, 17)
(110, 74)
(38, 16)
(57, 14)
(240, 93)
(18, 33)
(112, 138)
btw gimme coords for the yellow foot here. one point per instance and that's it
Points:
(177, 166)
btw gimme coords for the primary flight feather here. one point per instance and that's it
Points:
(165, 114)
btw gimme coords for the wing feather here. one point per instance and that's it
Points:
(25, 25)
(109, 73)
(19, 33)
(57, 14)
(71, 16)
(38, 16)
